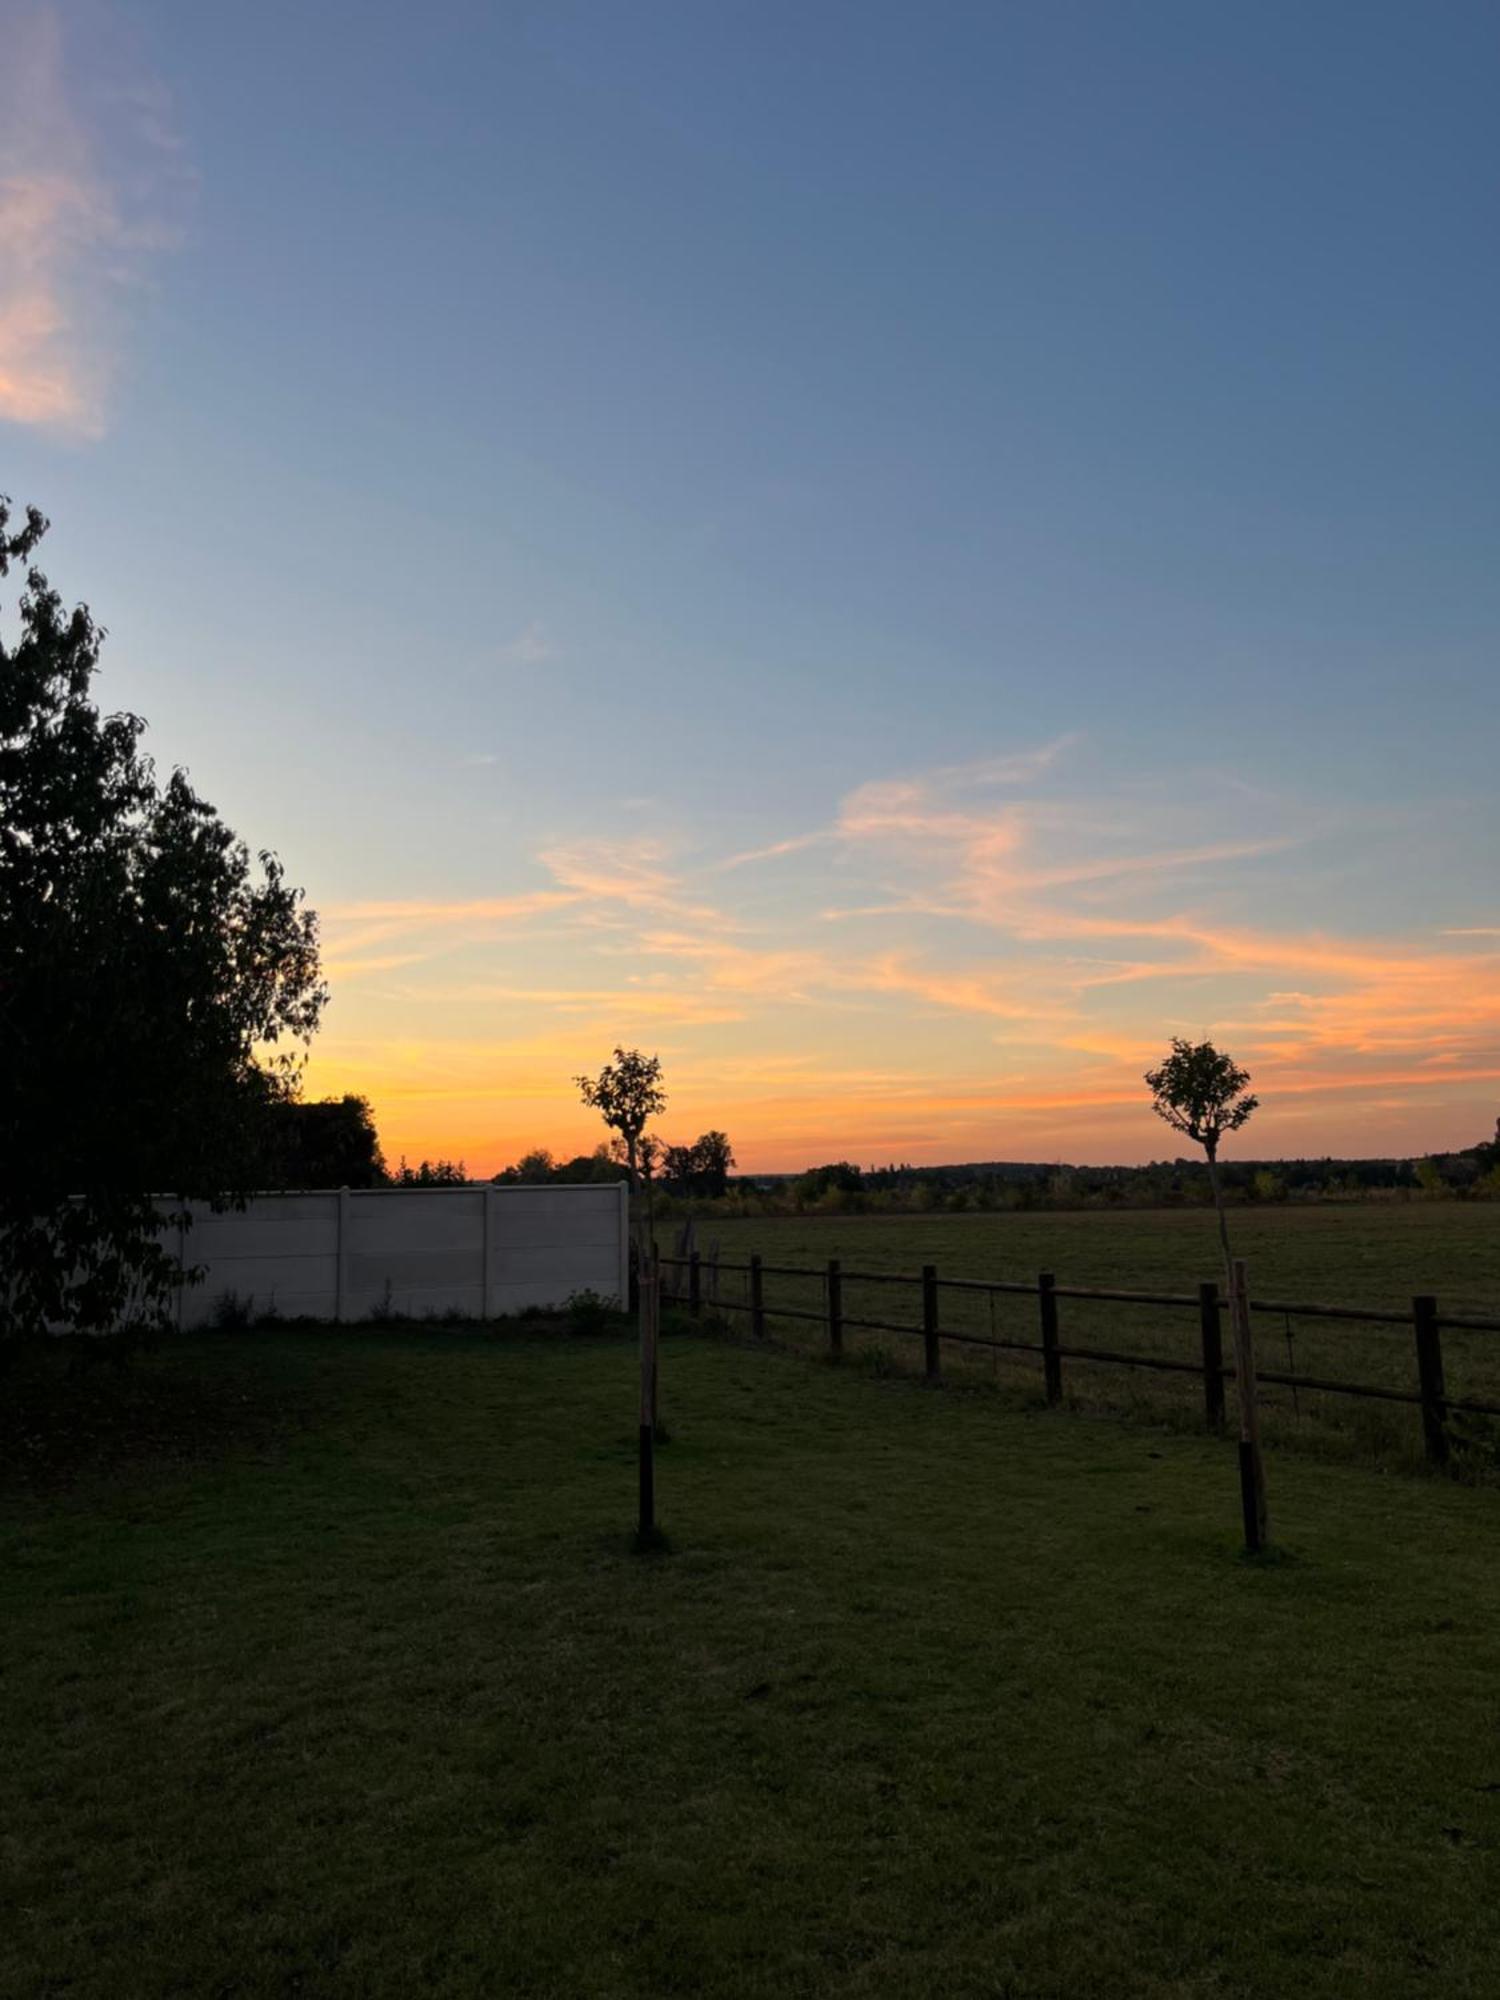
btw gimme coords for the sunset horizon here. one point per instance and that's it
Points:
(899, 622)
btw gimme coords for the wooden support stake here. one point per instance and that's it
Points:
(930, 1322)
(1424, 1314)
(646, 1528)
(656, 1430)
(757, 1298)
(1252, 1465)
(1213, 1355)
(1051, 1359)
(835, 1309)
(695, 1285)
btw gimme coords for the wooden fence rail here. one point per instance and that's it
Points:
(1426, 1322)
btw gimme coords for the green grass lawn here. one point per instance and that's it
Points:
(932, 1695)
(1361, 1253)
(1370, 1254)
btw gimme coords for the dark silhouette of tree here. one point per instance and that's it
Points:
(598, 1166)
(1201, 1093)
(840, 1175)
(627, 1093)
(701, 1169)
(154, 986)
(431, 1173)
(328, 1144)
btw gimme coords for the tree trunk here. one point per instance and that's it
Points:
(655, 1311)
(648, 1276)
(1213, 1181)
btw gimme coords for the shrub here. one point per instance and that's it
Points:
(590, 1312)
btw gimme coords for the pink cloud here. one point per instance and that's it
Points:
(72, 244)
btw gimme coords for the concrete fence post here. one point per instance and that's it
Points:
(342, 1300)
(624, 1187)
(489, 1236)
(181, 1262)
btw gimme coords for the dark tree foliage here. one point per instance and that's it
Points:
(626, 1093)
(154, 985)
(538, 1165)
(1201, 1093)
(700, 1170)
(585, 1168)
(431, 1173)
(329, 1144)
(842, 1175)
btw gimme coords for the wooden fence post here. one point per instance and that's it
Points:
(695, 1285)
(835, 1309)
(1213, 1355)
(1051, 1359)
(757, 1297)
(930, 1322)
(1252, 1466)
(648, 1287)
(1424, 1314)
(656, 1429)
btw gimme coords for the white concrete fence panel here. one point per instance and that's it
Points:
(350, 1254)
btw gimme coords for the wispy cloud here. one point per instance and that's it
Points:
(89, 178)
(632, 872)
(1022, 946)
(910, 806)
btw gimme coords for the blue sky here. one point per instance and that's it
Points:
(555, 451)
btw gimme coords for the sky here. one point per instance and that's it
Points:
(896, 556)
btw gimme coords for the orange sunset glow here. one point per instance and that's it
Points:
(976, 962)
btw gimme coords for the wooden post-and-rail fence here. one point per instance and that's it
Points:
(1208, 1303)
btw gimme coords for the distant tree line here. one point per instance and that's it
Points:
(334, 1143)
(699, 1171)
(1000, 1186)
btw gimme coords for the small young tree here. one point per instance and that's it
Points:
(627, 1093)
(1201, 1093)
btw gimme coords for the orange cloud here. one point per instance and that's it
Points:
(1023, 1008)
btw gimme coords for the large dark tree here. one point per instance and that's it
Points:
(155, 984)
(330, 1143)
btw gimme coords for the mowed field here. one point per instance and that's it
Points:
(350, 1684)
(1374, 1255)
